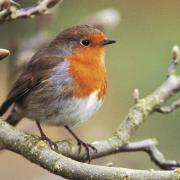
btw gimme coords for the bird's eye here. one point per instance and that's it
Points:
(85, 42)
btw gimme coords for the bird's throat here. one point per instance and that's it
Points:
(88, 71)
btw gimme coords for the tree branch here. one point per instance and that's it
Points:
(168, 109)
(10, 12)
(145, 106)
(104, 148)
(149, 146)
(39, 152)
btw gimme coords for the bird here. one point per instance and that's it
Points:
(63, 84)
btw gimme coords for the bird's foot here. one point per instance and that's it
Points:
(51, 143)
(87, 146)
(82, 143)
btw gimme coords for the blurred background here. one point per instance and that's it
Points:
(145, 36)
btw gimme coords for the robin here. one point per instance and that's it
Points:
(64, 84)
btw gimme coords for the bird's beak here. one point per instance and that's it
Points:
(108, 41)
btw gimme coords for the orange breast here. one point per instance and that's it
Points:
(88, 71)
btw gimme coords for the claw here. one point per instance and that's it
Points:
(51, 143)
(81, 143)
(87, 146)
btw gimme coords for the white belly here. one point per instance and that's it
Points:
(73, 112)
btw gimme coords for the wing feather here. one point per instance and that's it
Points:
(38, 70)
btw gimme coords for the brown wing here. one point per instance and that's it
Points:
(39, 68)
(22, 86)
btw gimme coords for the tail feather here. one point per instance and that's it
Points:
(6, 105)
(13, 118)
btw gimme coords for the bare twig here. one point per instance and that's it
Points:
(149, 146)
(12, 13)
(15, 3)
(171, 71)
(168, 109)
(136, 95)
(5, 4)
(145, 107)
(175, 60)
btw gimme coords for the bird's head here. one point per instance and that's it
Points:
(83, 43)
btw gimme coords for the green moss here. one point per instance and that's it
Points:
(124, 175)
(42, 144)
(176, 174)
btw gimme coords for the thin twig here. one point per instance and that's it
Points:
(149, 146)
(136, 95)
(12, 13)
(145, 107)
(175, 60)
(168, 109)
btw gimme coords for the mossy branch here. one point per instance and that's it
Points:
(144, 107)
(38, 152)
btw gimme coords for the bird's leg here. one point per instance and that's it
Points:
(82, 143)
(52, 144)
